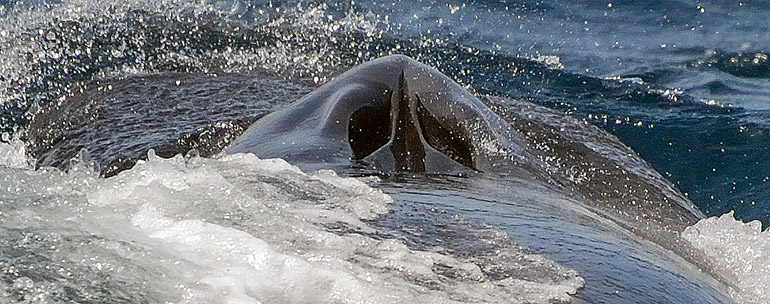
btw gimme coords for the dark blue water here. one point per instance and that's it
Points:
(697, 100)
(685, 84)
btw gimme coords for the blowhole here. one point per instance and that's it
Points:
(369, 129)
(455, 143)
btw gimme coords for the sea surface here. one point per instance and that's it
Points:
(103, 201)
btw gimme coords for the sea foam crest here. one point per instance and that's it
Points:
(13, 154)
(234, 229)
(737, 248)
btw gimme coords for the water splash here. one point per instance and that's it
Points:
(736, 248)
(235, 228)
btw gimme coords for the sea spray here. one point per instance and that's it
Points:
(229, 229)
(737, 248)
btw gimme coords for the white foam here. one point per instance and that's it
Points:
(739, 249)
(239, 229)
(13, 154)
(551, 61)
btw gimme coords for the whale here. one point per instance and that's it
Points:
(395, 116)
(554, 184)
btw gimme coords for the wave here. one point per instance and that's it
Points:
(738, 249)
(267, 217)
(53, 54)
(741, 64)
(238, 228)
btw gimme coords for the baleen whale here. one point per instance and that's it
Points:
(566, 189)
(395, 114)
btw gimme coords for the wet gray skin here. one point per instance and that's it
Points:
(395, 114)
(391, 114)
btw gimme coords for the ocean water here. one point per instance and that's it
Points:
(90, 88)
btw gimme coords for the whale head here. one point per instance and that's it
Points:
(391, 114)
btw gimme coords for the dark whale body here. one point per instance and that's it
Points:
(395, 114)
